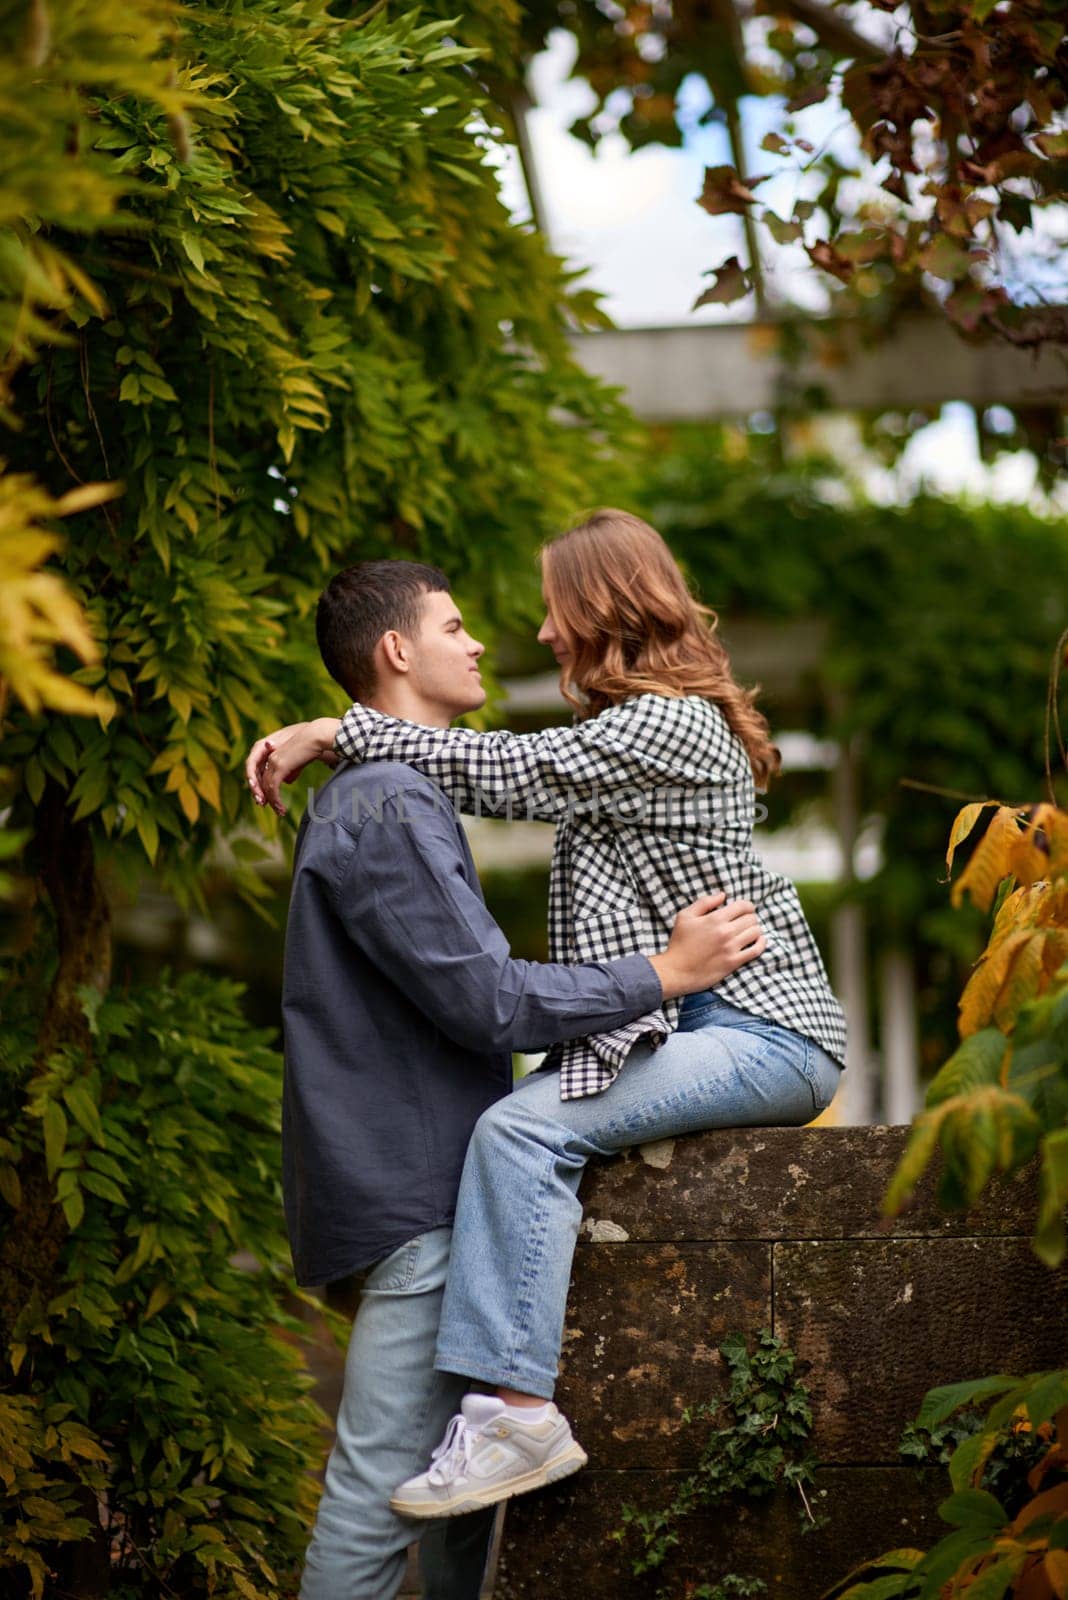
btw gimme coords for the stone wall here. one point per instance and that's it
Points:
(730, 1231)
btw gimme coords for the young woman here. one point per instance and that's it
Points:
(653, 792)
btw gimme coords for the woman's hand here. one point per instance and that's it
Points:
(283, 755)
(710, 939)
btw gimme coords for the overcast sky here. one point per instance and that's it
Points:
(632, 220)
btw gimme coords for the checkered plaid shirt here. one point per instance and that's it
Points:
(653, 802)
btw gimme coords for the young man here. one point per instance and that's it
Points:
(401, 1007)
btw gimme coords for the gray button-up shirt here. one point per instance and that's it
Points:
(401, 1005)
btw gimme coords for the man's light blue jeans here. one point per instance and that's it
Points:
(518, 1214)
(394, 1410)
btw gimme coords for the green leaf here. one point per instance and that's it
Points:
(975, 1062)
(943, 1561)
(940, 1403)
(83, 1109)
(192, 247)
(106, 1188)
(55, 1136)
(973, 1508)
(1047, 1397)
(995, 1581)
(945, 257)
(148, 833)
(889, 1587)
(922, 1143)
(781, 230)
(1050, 1240)
(73, 1208)
(34, 779)
(157, 386)
(969, 1457)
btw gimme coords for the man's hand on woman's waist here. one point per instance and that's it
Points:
(710, 939)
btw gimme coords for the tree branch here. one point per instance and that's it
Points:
(831, 30)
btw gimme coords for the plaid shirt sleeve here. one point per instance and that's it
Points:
(556, 773)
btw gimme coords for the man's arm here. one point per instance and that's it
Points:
(404, 899)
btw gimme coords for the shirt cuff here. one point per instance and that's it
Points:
(640, 978)
(354, 729)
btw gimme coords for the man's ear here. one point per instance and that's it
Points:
(392, 654)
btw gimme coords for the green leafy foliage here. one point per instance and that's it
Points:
(1002, 1097)
(163, 1368)
(256, 280)
(730, 1587)
(1008, 1505)
(759, 1446)
(314, 334)
(53, 174)
(45, 1458)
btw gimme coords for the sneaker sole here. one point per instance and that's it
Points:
(561, 1466)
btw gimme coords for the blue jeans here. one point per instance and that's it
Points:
(394, 1410)
(518, 1214)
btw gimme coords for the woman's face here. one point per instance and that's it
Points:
(552, 634)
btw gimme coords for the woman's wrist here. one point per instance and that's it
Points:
(324, 732)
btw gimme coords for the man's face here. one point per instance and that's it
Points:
(444, 658)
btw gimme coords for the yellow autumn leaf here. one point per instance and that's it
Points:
(168, 757)
(1022, 982)
(37, 609)
(206, 780)
(1055, 1564)
(1055, 953)
(1054, 909)
(981, 992)
(84, 497)
(963, 823)
(1047, 836)
(187, 799)
(1018, 910)
(1033, 850)
(993, 859)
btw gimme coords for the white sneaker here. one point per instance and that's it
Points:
(488, 1456)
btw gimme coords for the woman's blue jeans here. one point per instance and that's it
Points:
(518, 1214)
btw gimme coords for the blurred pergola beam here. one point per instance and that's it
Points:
(707, 371)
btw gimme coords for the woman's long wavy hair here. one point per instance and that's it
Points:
(633, 627)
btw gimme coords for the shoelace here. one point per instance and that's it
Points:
(450, 1460)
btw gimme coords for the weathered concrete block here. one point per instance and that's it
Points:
(733, 1230)
(882, 1321)
(780, 1183)
(644, 1326)
(559, 1544)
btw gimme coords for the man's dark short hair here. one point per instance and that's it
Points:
(362, 603)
